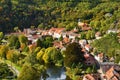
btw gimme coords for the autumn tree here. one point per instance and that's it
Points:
(52, 55)
(13, 55)
(40, 55)
(23, 42)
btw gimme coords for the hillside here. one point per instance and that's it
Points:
(99, 14)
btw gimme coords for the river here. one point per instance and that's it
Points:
(56, 73)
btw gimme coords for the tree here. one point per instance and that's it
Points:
(103, 44)
(5, 71)
(73, 55)
(28, 73)
(16, 29)
(1, 36)
(12, 55)
(83, 35)
(3, 51)
(52, 55)
(13, 41)
(40, 55)
(23, 42)
(90, 35)
(39, 43)
(41, 26)
(61, 38)
(45, 42)
(89, 70)
(23, 39)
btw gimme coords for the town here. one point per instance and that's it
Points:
(106, 68)
(59, 40)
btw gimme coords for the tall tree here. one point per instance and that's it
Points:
(73, 54)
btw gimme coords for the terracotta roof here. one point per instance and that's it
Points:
(88, 46)
(57, 30)
(107, 65)
(66, 40)
(111, 74)
(86, 28)
(57, 44)
(89, 77)
(98, 33)
(84, 50)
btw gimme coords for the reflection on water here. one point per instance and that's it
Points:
(56, 73)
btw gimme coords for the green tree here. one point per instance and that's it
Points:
(41, 26)
(73, 55)
(13, 41)
(3, 51)
(23, 39)
(1, 36)
(5, 71)
(103, 44)
(13, 55)
(40, 55)
(16, 29)
(61, 38)
(46, 42)
(28, 73)
(52, 55)
(89, 70)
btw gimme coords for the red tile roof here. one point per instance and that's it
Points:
(66, 40)
(111, 74)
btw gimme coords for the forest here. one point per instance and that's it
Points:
(99, 14)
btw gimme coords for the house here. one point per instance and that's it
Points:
(88, 47)
(105, 66)
(88, 77)
(111, 31)
(64, 34)
(44, 32)
(99, 57)
(98, 35)
(72, 35)
(66, 40)
(57, 32)
(84, 26)
(80, 24)
(29, 31)
(58, 44)
(51, 31)
(95, 76)
(83, 42)
(112, 74)
(90, 60)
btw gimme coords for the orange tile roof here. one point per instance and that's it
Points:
(89, 77)
(66, 40)
(86, 28)
(111, 74)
